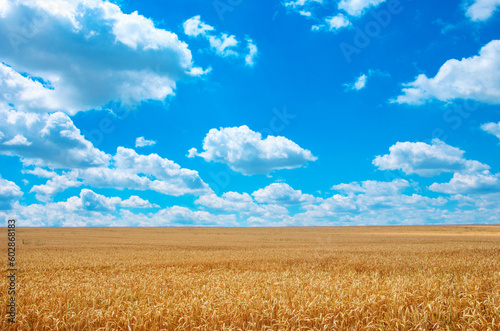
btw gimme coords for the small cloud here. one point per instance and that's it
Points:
(481, 10)
(359, 84)
(142, 142)
(222, 44)
(333, 23)
(493, 128)
(252, 52)
(194, 27)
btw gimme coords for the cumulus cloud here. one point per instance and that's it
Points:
(81, 55)
(476, 78)
(469, 183)
(244, 150)
(222, 44)
(282, 194)
(371, 202)
(142, 142)
(358, 7)
(55, 185)
(47, 140)
(92, 201)
(243, 204)
(92, 209)
(132, 171)
(9, 193)
(493, 128)
(426, 160)
(481, 10)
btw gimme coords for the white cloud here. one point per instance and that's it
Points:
(222, 44)
(55, 185)
(252, 53)
(142, 142)
(40, 172)
(92, 201)
(358, 84)
(282, 194)
(476, 77)
(130, 171)
(371, 187)
(358, 7)
(469, 183)
(493, 128)
(9, 193)
(47, 140)
(333, 23)
(18, 140)
(87, 54)
(301, 3)
(371, 202)
(245, 151)
(481, 10)
(243, 204)
(426, 160)
(194, 27)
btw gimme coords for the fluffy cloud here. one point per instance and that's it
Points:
(55, 185)
(371, 202)
(243, 204)
(493, 128)
(469, 183)
(282, 194)
(131, 171)
(358, 7)
(81, 55)
(92, 209)
(332, 23)
(426, 160)
(92, 201)
(477, 78)
(47, 140)
(221, 44)
(481, 10)
(142, 142)
(245, 151)
(194, 27)
(9, 193)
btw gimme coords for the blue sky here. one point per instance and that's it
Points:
(249, 113)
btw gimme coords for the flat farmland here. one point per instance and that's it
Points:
(312, 278)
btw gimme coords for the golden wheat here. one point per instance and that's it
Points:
(352, 278)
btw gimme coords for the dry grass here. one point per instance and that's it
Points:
(369, 278)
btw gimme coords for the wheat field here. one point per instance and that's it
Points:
(315, 278)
